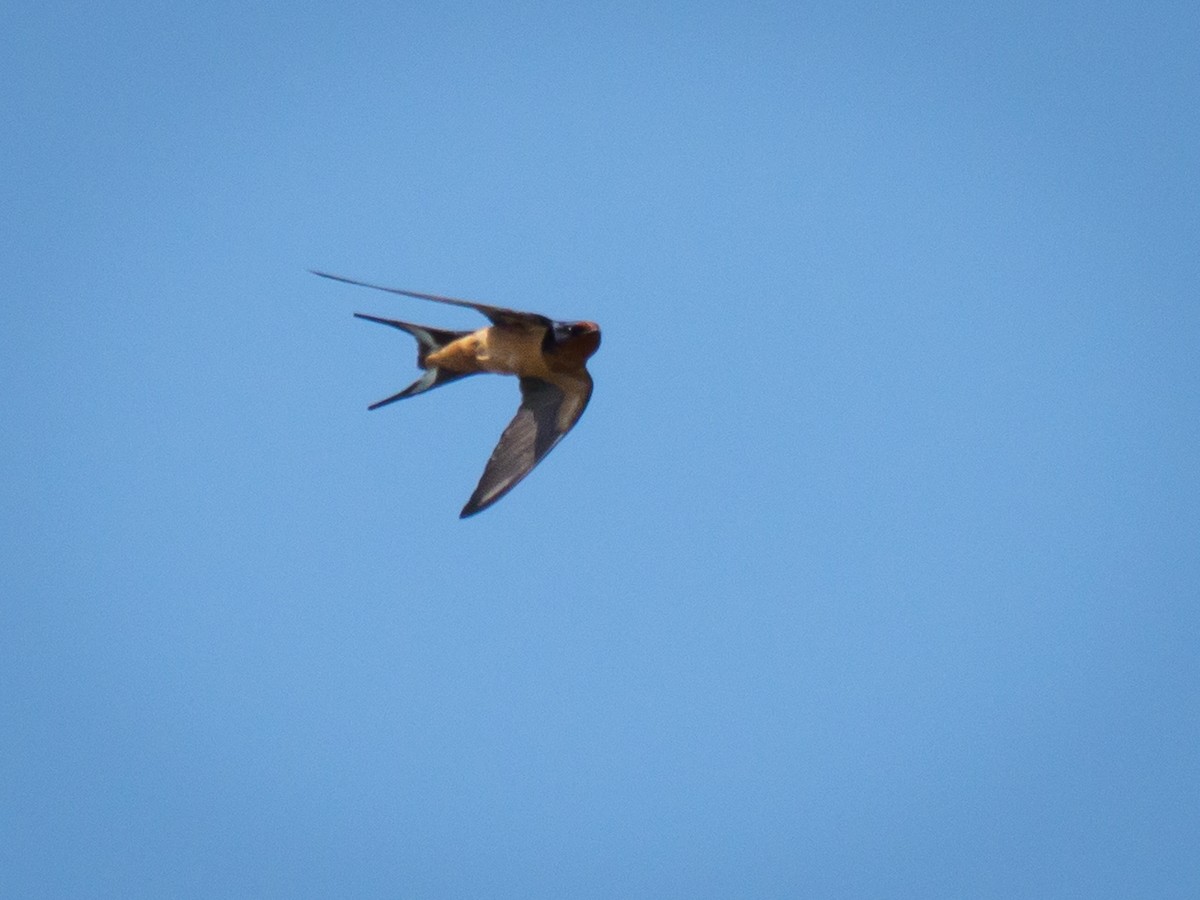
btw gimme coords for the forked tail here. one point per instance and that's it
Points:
(428, 340)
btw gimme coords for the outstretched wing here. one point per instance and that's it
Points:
(498, 314)
(548, 411)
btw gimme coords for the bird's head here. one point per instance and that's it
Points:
(571, 342)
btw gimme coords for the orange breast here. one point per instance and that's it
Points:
(502, 349)
(513, 351)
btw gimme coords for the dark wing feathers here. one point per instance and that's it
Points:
(533, 432)
(497, 314)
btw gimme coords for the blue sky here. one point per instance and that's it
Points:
(871, 570)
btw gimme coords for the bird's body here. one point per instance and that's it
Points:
(548, 357)
(501, 349)
(517, 350)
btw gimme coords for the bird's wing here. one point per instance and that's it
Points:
(498, 314)
(548, 411)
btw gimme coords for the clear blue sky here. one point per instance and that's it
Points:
(872, 570)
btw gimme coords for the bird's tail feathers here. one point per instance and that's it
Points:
(428, 341)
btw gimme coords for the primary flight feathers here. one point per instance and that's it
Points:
(548, 357)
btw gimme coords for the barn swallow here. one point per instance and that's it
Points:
(548, 357)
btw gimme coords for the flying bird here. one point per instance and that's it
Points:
(548, 357)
